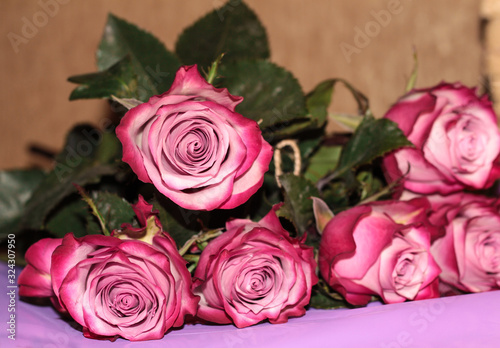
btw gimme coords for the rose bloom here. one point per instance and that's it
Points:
(113, 287)
(382, 249)
(253, 272)
(469, 253)
(456, 140)
(191, 144)
(35, 279)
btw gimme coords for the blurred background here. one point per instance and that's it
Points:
(368, 42)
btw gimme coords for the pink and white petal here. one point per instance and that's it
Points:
(73, 250)
(337, 240)
(359, 299)
(143, 210)
(444, 253)
(249, 131)
(439, 147)
(207, 198)
(429, 291)
(494, 173)
(272, 222)
(232, 149)
(210, 307)
(73, 288)
(422, 176)
(371, 235)
(249, 182)
(130, 133)
(455, 93)
(404, 212)
(32, 283)
(424, 124)
(188, 81)
(39, 255)
(35, 278)
(407, 110)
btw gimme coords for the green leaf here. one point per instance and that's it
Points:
(321, 300)
(71, 218)
(16, 188)
(85, 159)
(309, 146)
(133, 64)
(298, 207)
(320, 98)
(272, 95)
(322, 162)
(233, 29)
(181, 224)
(120, 80)
(114, 209)
(373, 138)
(154, 64)
(317, 103)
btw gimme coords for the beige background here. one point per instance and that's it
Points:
(305, 38)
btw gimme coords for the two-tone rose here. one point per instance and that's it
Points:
(254, 272)
(114, 287)
(193, 147)
(469, 252)
(455, 136)
(381, 249)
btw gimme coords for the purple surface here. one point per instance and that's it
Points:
(461, 321)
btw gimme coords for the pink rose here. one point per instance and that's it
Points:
(469, 253)
(382, 249)
(133, 284)
(122, 288)
(35, 279)
(191, 144)
(456, 140)
(253, 272)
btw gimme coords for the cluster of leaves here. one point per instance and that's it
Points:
(133, 64)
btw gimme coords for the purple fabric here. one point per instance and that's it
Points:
(461, 321)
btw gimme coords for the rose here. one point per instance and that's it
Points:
(122, 288)
(193, 147)
(253, 272)
(456, 140)
(380, 249)
(35, 279)
(136, 289)
(116, 288)
(469, 252)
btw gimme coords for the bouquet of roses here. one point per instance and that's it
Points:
(217, 196)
